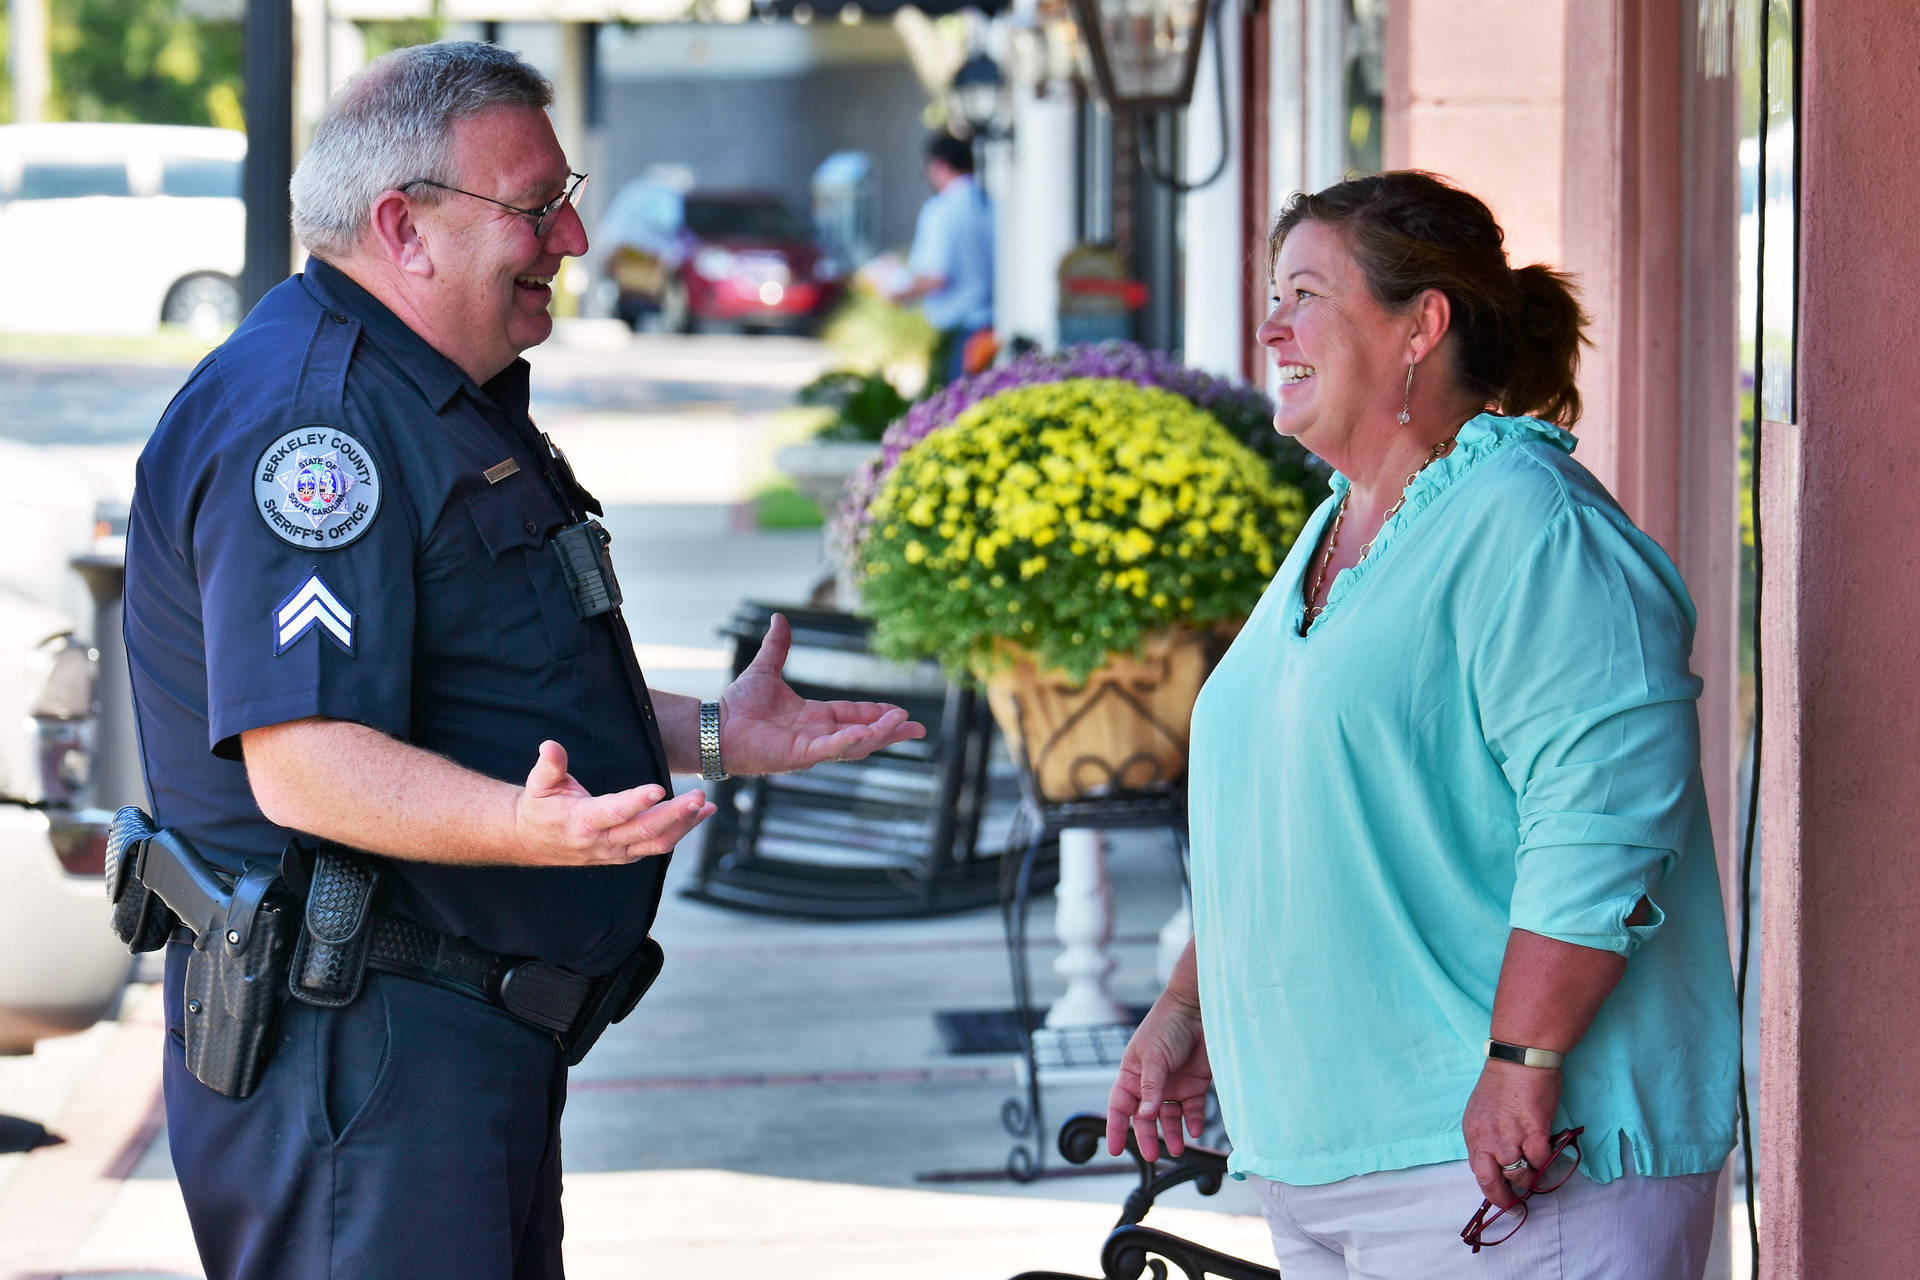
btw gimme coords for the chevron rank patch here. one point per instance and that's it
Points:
(316, 487)
(312, 605)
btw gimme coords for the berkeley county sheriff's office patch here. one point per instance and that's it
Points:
(316, 487)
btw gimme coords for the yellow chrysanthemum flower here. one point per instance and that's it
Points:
(1122, 510)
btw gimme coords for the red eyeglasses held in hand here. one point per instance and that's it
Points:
(1490, 1226)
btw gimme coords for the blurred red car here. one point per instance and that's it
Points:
(693, 257)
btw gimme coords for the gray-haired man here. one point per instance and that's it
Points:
(367, 608)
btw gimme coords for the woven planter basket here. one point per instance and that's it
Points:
(1124, 730)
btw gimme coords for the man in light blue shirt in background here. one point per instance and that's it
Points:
(952, 257)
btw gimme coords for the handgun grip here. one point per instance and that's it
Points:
(171, 867)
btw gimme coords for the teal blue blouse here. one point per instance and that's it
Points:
(1491, 727)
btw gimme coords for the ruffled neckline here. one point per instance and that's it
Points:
(1478, 439)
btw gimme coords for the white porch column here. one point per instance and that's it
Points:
(1083, 921)
(1217, 258)
(570, 94)
(312, 78)
(1033, 217)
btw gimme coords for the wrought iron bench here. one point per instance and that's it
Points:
(1132, 1250)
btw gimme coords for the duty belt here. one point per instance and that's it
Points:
(305, 927)
(570, 1006)
(343, 937)
(542, 995)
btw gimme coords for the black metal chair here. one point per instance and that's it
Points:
(895, 835)
(1132, 1250)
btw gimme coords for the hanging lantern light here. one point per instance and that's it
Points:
(978, 88)
(1144, 52)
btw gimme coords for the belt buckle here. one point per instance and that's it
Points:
(544, 995)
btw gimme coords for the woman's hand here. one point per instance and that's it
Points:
(1164, 1078)
(1510, 1115)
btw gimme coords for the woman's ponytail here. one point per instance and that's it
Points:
(1548, 328)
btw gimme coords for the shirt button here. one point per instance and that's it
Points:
(532, 527)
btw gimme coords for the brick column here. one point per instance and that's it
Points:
(1840, 1083)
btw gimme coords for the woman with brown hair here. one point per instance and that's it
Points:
(1457, 923)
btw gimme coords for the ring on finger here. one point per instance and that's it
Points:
(1516, 1166)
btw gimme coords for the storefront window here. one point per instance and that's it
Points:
(1779, 213)
(1747, 46)
(1764, 48)
(1364, 49)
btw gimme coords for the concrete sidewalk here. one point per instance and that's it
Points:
(780, 1104)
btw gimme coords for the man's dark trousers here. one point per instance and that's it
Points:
(412, 1135)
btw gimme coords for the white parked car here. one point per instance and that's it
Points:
(61, 968)
(118, 228)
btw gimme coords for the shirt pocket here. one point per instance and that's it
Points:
(531, 619)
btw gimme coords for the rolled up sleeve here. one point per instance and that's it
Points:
(1587, 705)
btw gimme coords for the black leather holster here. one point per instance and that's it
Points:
(160, 888)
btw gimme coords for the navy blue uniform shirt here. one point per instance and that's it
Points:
(332, 519)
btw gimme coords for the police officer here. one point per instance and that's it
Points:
(365, 608)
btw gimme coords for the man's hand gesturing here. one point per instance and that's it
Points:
(765, 727)
(561, 825)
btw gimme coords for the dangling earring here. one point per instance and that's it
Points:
(1406, 404)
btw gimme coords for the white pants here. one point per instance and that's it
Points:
(1404, 1224)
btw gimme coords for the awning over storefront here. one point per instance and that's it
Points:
(829, 9)
(637, 10)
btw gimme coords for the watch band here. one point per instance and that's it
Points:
(710, 766)
(1501, 1051)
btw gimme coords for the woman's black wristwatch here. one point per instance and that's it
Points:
(1501, 1051)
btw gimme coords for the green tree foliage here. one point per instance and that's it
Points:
(385, 37)
(151, 61)
(143, 60)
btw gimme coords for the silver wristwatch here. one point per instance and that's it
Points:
(710, 767)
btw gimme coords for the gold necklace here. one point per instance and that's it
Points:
(1440, 450)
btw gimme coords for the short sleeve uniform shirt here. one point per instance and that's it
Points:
(953, 239)
(333, 520)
